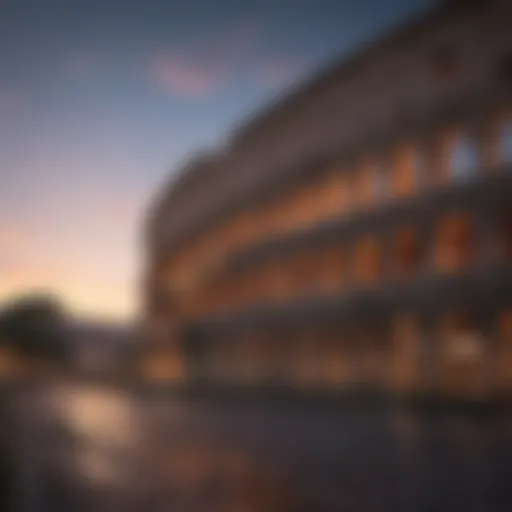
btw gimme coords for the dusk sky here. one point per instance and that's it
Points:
(101, 100)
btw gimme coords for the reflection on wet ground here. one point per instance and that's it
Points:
(90, 447)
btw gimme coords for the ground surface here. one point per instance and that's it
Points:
(92, 447)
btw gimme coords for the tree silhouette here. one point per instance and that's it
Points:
(33, 327)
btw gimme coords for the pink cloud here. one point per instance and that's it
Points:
(196, 72)
(279, 72)
(179, 74)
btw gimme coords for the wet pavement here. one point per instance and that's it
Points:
(83, 446)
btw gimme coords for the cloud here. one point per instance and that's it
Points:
(196, 72)
(279, 72)
(183, 76)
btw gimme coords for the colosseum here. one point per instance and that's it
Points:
(355, 235)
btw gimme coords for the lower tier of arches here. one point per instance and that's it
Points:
(451, 337)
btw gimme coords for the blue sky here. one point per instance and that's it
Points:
(101, 100)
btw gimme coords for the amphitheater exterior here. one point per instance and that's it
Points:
(357, 234)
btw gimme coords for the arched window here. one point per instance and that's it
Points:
(331, 272)
(408, 251)
(332, 194)
(462, 354)
(370, 183)
(463, 159)
(461, 340)
(367, 262)
(408, 170)
(506, 142)
(455, 242)
(303, 271)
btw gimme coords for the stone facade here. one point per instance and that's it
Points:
(359, 233)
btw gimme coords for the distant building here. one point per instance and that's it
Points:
(97, 348)
(358, 234)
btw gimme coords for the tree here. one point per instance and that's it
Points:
(34, 328)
